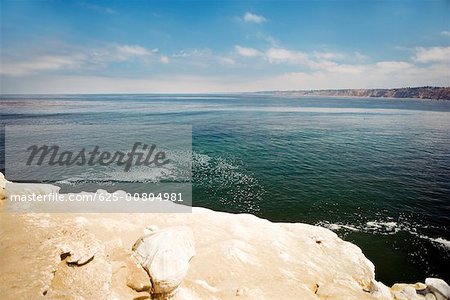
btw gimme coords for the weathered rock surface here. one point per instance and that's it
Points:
(80, 250)
(380, 291)
(165, 255)
(439, 288)
(236, 255)
(402, 291)
(2, 187)
(425, 92)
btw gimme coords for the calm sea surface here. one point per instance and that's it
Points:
(376, 171)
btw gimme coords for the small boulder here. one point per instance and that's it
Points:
(137, 278)
(429, 296)
(439, 288)
(419, 287)
(165, 255)
(79, 249)
(380, 291)
(402, 291)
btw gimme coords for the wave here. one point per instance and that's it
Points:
(219, 179)
(179, 170)
(227, 181)
(379, 227)
(439, 240)
(385, 228)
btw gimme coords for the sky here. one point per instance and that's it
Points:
(50, 46)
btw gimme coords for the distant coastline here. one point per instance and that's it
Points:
(426, 92)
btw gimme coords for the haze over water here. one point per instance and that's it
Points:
(376, 171)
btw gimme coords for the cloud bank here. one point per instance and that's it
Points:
(128, 68)
(253, 18)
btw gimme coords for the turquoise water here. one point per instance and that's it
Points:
(376, 171)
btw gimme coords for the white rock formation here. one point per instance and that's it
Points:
(380, 291)
(2, 187)
(165, 255)
(79, 250)
(439, 288)
(402, 291)
(236, 255)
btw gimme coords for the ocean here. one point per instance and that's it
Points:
(376, 171)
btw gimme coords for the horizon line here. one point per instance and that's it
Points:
(220, 92)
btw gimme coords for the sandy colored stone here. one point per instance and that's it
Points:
(439, 288)
(129, 280)
(91, 281)
(165, 255)
(79, 252)
(2, 187)
(428, 296)
(2, 194)
(137, 278)
(142, 296)
(419, 286)
(284, 260)
(238, 256)
(402, 291)
(380, 291)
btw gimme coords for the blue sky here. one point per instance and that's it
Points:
(222, 46)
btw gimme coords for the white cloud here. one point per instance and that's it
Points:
(387, 74)
(328, 55)
(432, 54)
(393, 66)
(41, 63)
(128, 51)
(244, 69)
(277, 55)
(227, 60)
(445, 32)
(164, 59)
(359, 56)
(202, 60)
(99, 8)
(101, 84)
(378, 75)
(187, 53)
(267, 38)
(247, 52)
(253, 18)
(75, 59)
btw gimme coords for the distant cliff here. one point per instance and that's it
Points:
(426, 92)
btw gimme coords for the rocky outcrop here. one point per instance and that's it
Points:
(402, 291)
(105, 256)
(439, 288)
(432, 289)
(426, 92)
(165, 255)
